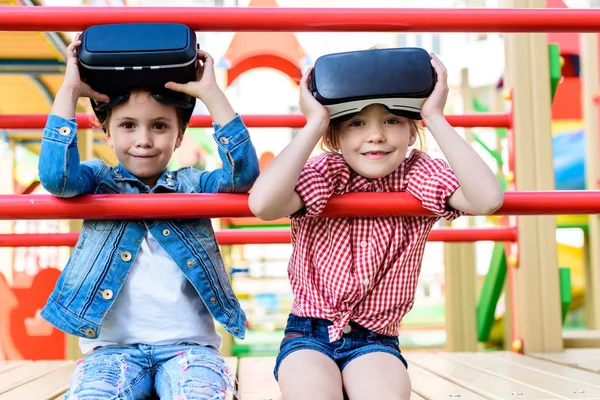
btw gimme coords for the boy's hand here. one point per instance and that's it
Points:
(434, 105)
(206, 89)
(205, 83)
(72, 81)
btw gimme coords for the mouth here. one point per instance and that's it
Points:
(375, 155)
(143, 156)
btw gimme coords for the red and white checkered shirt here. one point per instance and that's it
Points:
(363, 269)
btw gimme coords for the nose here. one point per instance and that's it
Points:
(376, 134)
(143, 138)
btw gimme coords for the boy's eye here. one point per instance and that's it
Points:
(160, 126)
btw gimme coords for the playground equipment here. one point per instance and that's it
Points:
(535, 313)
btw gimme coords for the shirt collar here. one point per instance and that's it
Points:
(167, 179)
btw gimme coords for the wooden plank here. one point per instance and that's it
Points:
(581, 339)
(480, 382)
(431, 386)
(48, 386)
(587, 359)
(574, 374)
(256, 380)
(589, 67)
(536, 301)
(20, 376)
(557, 385)
(8, 365)
(232, 363)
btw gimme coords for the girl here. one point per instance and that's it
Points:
(354, 278)
(143, 294)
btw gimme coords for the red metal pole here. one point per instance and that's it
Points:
(208, 205)
(263, 236)
(228, 19)
(86, 121)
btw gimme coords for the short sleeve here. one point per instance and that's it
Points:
(319, 180)
(432, 182)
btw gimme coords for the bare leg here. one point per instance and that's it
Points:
(310, 375)
(376, 376)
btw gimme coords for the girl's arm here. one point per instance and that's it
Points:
(273, 195)
(480, 192)
(59, 167)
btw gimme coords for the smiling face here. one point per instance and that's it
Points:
(144, 134)
(374, 142)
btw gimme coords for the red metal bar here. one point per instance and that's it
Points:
(262, 236)
(86, 121)
(70, 19)
(209, 205)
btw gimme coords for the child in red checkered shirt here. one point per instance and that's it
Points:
(355, 278)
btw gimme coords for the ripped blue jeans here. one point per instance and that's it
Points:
(132, 372)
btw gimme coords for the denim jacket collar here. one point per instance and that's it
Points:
(167, 180)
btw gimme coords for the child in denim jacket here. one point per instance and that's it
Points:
(143, 295)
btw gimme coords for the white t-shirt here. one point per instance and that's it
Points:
(157, 305)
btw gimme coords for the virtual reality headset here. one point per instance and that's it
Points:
(399, 78)
(116, 58)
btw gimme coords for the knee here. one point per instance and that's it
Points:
(99, 377)
(195, 388)
(204, 375)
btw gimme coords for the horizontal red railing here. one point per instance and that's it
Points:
(263, 236)
(87, 121)
(213, 19)
(207, 205)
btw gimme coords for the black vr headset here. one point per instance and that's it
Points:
(116, 58)
(399, 78)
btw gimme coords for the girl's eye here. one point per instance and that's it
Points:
(127, 125)
(392, 121)
(160, 126)
(356, 123)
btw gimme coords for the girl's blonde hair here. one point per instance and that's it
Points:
(331, 139)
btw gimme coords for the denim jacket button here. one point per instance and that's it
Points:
(166, 232)
(107, 294)
(65, 131)
(224, 140)
(90, 333)
(126, 256)
(347, 329)
(190, 264)
(213, 300)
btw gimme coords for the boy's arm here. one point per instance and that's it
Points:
(240, 166)
(59, 168)
(240, 162)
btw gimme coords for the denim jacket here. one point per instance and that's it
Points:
(106, 249)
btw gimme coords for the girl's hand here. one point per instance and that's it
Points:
(309, 106)
(205, 82)
(434, 105)
(72, 81)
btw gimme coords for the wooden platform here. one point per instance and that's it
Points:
(573, 374)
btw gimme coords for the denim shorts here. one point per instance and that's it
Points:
(312, 334)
